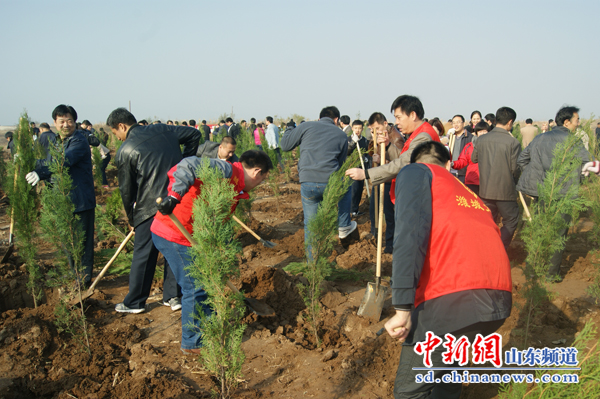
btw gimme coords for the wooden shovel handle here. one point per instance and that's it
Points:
(525, 206)
(380, 224)
(246, 227)
(110, 262)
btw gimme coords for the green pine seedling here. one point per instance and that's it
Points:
(214, 262)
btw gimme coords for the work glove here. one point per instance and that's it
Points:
(167, 205)
(32, 178)
(593, 166)
(355, 138)
(291, 124)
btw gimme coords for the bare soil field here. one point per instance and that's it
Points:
(138, 356)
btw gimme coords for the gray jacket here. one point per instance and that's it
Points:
(536, 159)
(496, 153)
(323, 149)
(210, 149)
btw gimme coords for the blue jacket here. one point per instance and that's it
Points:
(78, 158)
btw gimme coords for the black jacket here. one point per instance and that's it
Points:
(78, 158)
(143, 161)
(210, 149)
(234, 131)
(364, 147)
(536, 159)
(205, 130)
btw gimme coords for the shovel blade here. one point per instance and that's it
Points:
(372, 303)
(267, 244)
(8, 253)
(258, 307)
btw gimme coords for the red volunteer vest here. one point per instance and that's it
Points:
(425, 127)
(465, 251)
(164, 227)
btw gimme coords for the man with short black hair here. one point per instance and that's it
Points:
(458, 140)
(205, 130)
(184, 187)
(46, 137)
(78, 158)
(221, 130)
(252, 126)
(169, 122)
(142, 179)
(446, 277)
(233, 129)
(491, 120)
(34, 131)
(192, 123)
(224, 150)
(528, 132)
(535, 162)
(357, 140)
(323, 150)
(409, 114)
(497, 153)
(345, 124)
(244, 124)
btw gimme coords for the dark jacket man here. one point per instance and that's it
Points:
(143, 160)
(497, 153)
(205, 130)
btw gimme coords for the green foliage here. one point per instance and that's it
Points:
(557, 195)
(23, 204)
(271, 153)
(287, 160)
(516, 132)
(107, 218)
(245, 142)
(3, 167)
(588, 385)
(322, 234)
(97, 163)
(61, 228)
(244, 209)
(214, 262)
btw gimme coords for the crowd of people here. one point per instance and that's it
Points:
(441, 185)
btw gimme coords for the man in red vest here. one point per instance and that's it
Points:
(409, 114)
(440, 285)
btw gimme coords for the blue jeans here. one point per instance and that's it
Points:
(312, 195)
(193, 297)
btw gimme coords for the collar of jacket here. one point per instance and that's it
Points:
(497, 129)
(327, 120)
(130, 129)
(560, 129)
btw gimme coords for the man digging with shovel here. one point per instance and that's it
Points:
(438, 284)
(184, 187)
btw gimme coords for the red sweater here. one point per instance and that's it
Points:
(163, 226)
(463, 160)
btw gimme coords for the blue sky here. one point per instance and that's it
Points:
(198, 59)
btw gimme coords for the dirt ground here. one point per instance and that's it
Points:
(138, 356)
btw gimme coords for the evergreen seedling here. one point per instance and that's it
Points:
(322, 234)
(23, 204)
(516, 132)
(61, 228)
(214, 262)
(97, 164)
(557, 196)
(245, 142)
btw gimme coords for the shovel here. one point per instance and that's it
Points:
(11, 237)
(362, 163)
(90, 291)
(372, 303)
(256, 306)
(525, 206)
(266, 243)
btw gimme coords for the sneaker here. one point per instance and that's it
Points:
(121, 308)
(195, 352)
(174, 303)
(356, 214)
(346, 231)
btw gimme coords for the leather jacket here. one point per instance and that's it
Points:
(144, 159)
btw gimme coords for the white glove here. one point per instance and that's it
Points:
(355, 138)
(32, 178)
(593, 166)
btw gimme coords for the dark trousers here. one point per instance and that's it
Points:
(405, 385)
(105, 162)
(86, 221)
(388, 212)
(462, 178)
(143, 266)
(357, 190)
(509, 210)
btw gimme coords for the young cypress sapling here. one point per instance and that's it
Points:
(214, 262)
